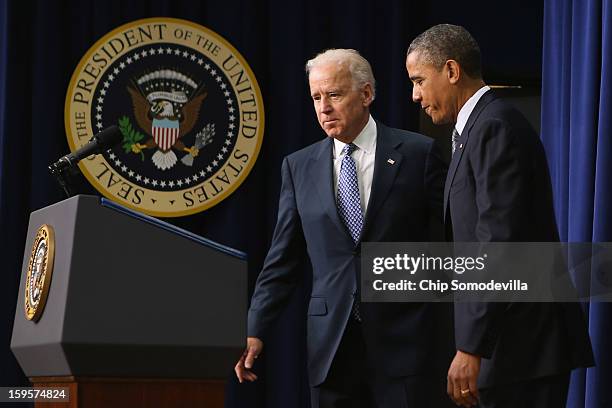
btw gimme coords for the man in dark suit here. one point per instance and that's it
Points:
(365, 182)
(497, 190)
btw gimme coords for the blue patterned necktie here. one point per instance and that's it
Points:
(349, 207)
(349, 200)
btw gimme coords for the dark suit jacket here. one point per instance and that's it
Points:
(498, 189)
(402, 339)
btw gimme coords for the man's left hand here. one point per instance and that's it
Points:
(462, 379)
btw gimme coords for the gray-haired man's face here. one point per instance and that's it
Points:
(341, 109)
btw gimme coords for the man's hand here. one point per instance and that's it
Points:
(245, 364)
(462, 377)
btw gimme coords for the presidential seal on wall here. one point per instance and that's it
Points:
(40, 269)
(189, 109)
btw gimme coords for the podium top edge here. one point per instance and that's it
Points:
(173, 229)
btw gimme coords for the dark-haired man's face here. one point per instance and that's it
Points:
(432, 89)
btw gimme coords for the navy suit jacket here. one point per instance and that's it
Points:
(405, 203)
(498, 189)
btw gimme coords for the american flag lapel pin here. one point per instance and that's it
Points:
(390, 161)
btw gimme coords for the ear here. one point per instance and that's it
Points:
(367, 95)
(453, 71)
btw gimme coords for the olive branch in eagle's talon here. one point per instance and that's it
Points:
(131, 137)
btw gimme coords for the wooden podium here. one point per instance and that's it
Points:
(138, 313)
(133, 392)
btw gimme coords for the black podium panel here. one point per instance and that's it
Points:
(131, 296)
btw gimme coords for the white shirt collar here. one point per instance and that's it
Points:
(468, 107)
(365, 140)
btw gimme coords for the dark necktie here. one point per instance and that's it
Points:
(454, 138)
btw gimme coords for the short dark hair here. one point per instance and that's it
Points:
(446, 41)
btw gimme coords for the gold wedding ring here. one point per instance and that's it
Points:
(465, 392)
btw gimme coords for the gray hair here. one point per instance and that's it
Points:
(359, 67)
(446, 41)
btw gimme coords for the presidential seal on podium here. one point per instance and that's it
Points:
(40, 269)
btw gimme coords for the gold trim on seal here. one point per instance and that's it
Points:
(40, 269)
(80, 115)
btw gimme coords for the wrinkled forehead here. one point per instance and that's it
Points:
(416, 59)
(332, 73)
(418, 64)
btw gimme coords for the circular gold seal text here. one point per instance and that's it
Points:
(40, 269)
(189, 109)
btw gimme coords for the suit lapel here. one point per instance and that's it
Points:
(323, 180)
(387, 162)
(482, 102)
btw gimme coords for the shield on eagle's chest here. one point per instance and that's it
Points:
(165, 132)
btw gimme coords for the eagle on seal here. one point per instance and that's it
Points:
(166, 106)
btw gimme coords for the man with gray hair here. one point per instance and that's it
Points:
(364, 182)
(497, 190)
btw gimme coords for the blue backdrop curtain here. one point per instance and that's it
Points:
(41, 42)
(15, 119)
(577, 134)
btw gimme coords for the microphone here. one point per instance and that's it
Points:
(61, 169)
(104, 140)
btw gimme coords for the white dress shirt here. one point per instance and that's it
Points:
(364, 160)
(467, 108)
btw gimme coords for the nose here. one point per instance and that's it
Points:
(324, 105)
(416, 94)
